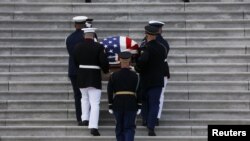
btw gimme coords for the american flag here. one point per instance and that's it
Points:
(115, 44)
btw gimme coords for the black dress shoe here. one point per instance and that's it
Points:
(80, 123)
(157, 122)
(94, 132)
(85, 123)
(151, 132)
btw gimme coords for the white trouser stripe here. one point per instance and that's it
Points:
(162, 98)
(89, 67)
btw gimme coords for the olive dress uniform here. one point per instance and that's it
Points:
(124, 101)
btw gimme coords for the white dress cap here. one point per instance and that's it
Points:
(80, 19)
(89, 30)
(156, 23)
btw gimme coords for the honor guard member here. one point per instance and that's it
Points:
(164, 43)
(88, 24)
(150, 65)
(71, 41)
(90, 57)
(124, 101)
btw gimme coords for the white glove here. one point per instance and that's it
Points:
(138, 111)
(132, 68)
(111, 111)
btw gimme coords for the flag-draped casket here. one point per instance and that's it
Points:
(116, 44)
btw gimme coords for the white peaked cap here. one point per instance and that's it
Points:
(80, 18)
(89, 30)
(88, 25)
(156, 22)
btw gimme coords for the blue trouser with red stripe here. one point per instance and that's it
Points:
(150, 106)
(125, 125)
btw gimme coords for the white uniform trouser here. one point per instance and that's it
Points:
(91, 105)
(162, 97)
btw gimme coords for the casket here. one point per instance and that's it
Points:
(116, 44)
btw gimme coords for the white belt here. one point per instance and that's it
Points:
(88, 67)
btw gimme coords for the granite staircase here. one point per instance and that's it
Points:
(209, 62)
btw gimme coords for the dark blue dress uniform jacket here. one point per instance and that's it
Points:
(93, 54)
(124, 80)
(164, 43)
(151, 65)
(71, 41)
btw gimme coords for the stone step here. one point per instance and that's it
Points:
(38, 50)
(104, 130)
(219, 1)
(223, 23)
(175, 76)
(178, 58)
(32, 85)
(33, 59)
(61, 50)
(57, 24)
(211, 95)
(162, 1)
(64, 114)
(35, 67)
(211, 6)
(132, 32)
(209, 50)
(166, 114)
(168, 104)
(169, 95)
(209, 67)
(31, 76)
(206, 85)
(212, 15)
(23, 41)
(137, 1)
(43, 1)
(209, 59)
(174, 67)
(122, 1)
(173, 41)
(106, 122)
(193, 94)
(102, 138)
(36, 95)
(94, 7)
(172, 85)
(123, 7)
